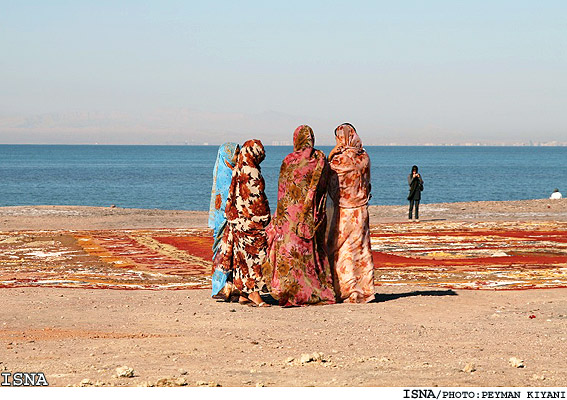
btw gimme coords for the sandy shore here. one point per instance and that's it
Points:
(412, 336)
(79, 217)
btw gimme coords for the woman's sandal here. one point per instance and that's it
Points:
(244, 301)
(262, 304)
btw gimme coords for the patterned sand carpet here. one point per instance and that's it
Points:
(482, 255)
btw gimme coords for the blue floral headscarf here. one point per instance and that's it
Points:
(222, 175)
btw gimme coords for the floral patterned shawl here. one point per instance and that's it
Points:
(297, 270)
(222, 176)
(247, 205)
(296, 196)
(350, 183)
(242, 250)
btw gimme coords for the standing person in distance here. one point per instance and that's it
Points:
(415, 183)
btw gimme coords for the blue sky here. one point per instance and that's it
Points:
(173, 71)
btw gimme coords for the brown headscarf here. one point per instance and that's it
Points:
(247, 204)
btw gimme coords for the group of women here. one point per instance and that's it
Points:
(289, 254)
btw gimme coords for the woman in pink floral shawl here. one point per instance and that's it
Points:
(349, 235)
(297, 270)
(244, 243)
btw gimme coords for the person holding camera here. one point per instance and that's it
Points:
(415, 183)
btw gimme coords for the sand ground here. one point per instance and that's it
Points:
(412, 336)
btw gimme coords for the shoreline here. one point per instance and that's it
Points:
(14, 218)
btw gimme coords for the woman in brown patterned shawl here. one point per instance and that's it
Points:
(297, 269)
(244, 243)
(350, 253)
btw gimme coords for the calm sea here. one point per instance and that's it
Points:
(180, 177)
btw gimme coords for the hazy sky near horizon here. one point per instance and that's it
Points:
(405, 72)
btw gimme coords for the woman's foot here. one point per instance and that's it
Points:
(243, 300)
(257, 300)
(356, 298)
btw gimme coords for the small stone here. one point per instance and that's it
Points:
(113, 206)
(537, 377)
(289, 360)
(171, 382)
(260, 384)
(317, 356)
(163, 382)
(201, 383)
(180, 382)
(305, 358)
(86, 382)
(124, 372)
(516, 362)
(470, 367)
(182, 372)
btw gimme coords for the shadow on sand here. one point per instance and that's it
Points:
(381, 297)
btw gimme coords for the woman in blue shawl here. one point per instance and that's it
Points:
(222, 176)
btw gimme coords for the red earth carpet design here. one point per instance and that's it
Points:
(487, 255)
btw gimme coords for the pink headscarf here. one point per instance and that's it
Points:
(351, 164)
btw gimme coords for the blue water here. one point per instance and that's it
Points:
(179, 177)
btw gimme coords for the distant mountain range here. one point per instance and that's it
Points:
(189, 126)
(168, 126)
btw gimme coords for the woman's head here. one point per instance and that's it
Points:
(346, 136)
(229, 153)
(303, 138)
(252, 152)
(414, 169)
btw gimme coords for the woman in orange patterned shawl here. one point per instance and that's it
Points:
(349, 235)
(244, 243)
(297, 270)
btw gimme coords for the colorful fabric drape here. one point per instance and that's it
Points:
(349, 235)
(297, 270)
(222, 176)
(244, 243)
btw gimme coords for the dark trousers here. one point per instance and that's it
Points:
(411, 203)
